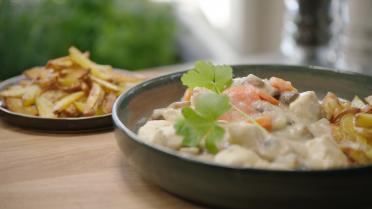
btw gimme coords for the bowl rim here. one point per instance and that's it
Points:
(174, 154)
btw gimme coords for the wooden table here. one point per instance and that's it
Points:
(40, 170)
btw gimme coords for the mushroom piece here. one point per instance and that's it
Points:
(288, 97)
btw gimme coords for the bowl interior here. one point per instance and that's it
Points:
(134, 108)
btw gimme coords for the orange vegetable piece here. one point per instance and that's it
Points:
(265, 121)
(187, 95)
(242, 97)
(264, 96)
(280, 84)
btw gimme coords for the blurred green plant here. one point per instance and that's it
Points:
(130, 34)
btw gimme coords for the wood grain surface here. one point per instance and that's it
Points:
(42, 170)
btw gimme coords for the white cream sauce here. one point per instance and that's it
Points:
(300, 137)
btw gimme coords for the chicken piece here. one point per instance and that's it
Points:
(168, 114)
(160, 132)
(245, 135)
(306, 107)
(320, 128)
(236, 155)
(323, 152)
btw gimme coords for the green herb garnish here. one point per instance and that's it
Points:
(200, 123)
(205, 74)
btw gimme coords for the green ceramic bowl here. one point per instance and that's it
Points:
(227, 187)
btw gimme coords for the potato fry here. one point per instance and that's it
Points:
(107, 103)
(69, 86)
(105, 84)
(53, 95)
(68, 81)
(45, 107)
(66, 101)
(71, 111)
(94, 100)
(74, 73)
(13, 91)
(80, 106)
(363, 120)
(16, 105)
(30, 95)
(60, 63)
(35, 73)
(26, 82)
(44, 77)
(84, 62)
(85, 87)
(356, 156)
(103, 74)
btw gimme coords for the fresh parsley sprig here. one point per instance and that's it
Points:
(200, 124)
(205, 74)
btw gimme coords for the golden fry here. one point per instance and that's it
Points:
(44, 77)
(79, 106)
(66, 101)
(83, 61)
(59, 88)
(74, 73)
(104, 74)
(53, 95)
(363, 120)
(30, 95)
(13, 91)
(60, 63)
(35, 73)
(94, 100)
(16, 105)
(45, 107)
(105, 84)
(71, 111)
(108, 102)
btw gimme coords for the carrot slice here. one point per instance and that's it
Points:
(264, 121)
(187, 95)
(280, 84)
(264, 96)
(242, 97)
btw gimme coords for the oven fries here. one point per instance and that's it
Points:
(70, 86)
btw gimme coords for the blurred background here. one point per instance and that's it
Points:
(139, 34)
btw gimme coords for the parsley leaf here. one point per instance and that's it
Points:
(211, 106)
(201, 123)
(205, 74)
